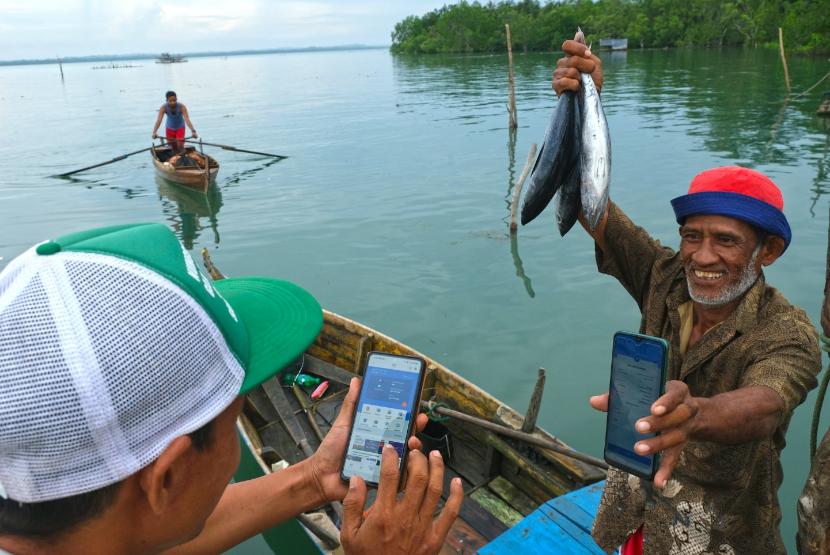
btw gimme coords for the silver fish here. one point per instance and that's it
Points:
(595, 157)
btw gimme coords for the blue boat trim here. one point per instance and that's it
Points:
(561, 525)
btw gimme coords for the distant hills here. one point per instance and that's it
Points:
(148, 56)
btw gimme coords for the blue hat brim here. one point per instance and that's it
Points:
(742, 207)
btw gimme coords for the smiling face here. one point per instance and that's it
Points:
(171, 101)
(722, 258)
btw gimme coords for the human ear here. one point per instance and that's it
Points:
(773, 248)
(160, 479)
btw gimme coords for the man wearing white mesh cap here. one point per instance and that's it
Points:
(121, 372)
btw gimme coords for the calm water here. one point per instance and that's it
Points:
(392, 208)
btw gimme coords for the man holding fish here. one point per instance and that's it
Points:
(741, 356)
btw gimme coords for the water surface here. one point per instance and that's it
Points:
(392, 208)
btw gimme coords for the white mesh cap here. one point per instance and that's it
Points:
(103, 362)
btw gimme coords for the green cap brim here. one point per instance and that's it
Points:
(282, 320)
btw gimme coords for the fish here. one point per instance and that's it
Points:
(552, 163)
(568, 197)
(595, 155)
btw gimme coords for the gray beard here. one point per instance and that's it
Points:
(731, 292)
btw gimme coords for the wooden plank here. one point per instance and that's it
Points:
(537, 533)
(462, 540)
(496, 506)
(285, 410)
(578, 534)
(533, 489)
(481, 520)
(314, 365)
(556, 485)
(514, 497)
(572, 512)
(588, 497)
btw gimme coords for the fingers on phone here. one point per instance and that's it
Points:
(353, 505)
(417, 478)
(389, 477)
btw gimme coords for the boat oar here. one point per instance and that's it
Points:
(116, 159)
(510, 432)
(229, 147)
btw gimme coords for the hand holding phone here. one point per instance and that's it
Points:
(402, 524)
(638, 372)
(385, 415)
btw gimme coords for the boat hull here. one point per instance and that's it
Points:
(192, 178)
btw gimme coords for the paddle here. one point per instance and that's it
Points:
(116, 159)
(228, 147)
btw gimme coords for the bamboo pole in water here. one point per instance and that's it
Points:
(511, 83)
(60, 65)
(517, 190)
(784, 58)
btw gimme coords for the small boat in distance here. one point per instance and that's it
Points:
(168, 58)
(193, 170)
(613, 44)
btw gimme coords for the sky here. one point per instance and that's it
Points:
(48, 28)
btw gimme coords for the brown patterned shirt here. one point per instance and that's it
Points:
(721, 499)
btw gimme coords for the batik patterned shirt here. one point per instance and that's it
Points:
(721, 499)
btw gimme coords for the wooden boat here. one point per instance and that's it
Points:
(505, 480)
(195, 177)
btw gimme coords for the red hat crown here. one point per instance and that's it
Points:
(744, 181)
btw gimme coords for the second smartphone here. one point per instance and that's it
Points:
(390, 394)
(638, 375)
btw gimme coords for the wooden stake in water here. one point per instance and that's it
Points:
(60, 65)
(511, 84)
(784, 58)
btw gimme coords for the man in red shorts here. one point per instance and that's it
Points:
(177, 117)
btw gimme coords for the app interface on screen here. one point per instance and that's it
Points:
(383, 413)
(635, 385)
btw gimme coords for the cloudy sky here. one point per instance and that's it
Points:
(46, 28)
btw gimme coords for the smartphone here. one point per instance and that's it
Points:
(386, 409)
(638, 377)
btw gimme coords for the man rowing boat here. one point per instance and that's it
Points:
(177, 117)
(741, 359)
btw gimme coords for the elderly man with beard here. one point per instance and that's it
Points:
(741, 359)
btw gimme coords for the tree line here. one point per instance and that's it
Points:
(469, 27)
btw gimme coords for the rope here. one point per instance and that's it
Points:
(822, 390)
(434, 416)
(826, 75)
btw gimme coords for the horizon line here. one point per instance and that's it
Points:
(197, 54)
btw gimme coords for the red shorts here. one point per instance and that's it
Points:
(175, 133)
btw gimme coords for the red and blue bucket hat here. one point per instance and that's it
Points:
(740, 193)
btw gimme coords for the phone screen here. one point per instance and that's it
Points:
(637, 375)
(384, 413)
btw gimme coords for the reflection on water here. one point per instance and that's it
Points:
(238, 177)
(190, 212)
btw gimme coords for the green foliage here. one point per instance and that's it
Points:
(476, 27)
